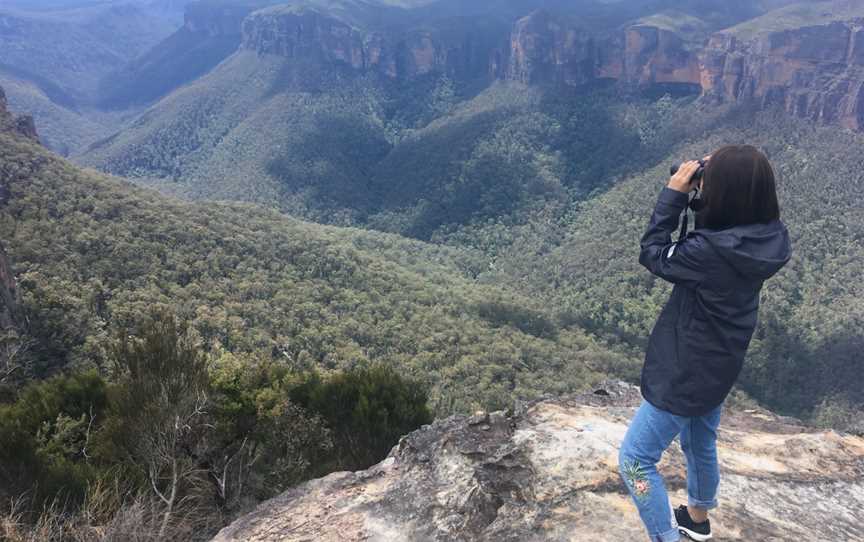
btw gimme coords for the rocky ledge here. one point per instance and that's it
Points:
(548, 472)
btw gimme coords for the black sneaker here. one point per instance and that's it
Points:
(700, 532)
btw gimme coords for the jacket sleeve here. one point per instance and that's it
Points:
(679, 263)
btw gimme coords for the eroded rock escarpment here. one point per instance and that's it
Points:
(309, 34)
(545, 49)
(549, 473)
(541, 48)
(815, 72)
(304, 34)
(812, 71)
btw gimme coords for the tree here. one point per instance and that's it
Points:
(47, 435)
(16, 366)
(263, 442)
(160, 411)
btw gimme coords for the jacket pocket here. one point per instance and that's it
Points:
(697, 319)
(685, 310)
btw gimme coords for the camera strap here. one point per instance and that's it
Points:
(684, 224)
(695, 204)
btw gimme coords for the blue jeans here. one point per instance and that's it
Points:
(651, 432)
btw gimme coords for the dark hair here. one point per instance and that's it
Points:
(739, 188)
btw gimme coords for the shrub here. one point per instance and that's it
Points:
(368, 410)
(46, 434)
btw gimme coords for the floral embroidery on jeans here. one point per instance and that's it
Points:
(636, 479)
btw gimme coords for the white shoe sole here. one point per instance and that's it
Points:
(693, 535)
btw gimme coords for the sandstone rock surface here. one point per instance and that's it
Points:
(548, 473)
(309, 34)
(815, 72)
(544, 49)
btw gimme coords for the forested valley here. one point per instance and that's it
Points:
(261, 261)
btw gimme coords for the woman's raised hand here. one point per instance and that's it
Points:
(682, 181)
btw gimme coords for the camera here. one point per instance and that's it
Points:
(696, 176)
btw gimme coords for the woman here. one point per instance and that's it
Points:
(697, 347)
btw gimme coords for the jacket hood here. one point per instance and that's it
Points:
(754, 250)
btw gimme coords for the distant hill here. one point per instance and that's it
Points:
(330, 109)
(123, 58)
(62, 128)
(74, 46)
(209, 34)
(54, 55)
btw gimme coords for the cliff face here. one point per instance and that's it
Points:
(544, 49)
(304, 35)
(652, 55)
(816, 72)
(309, 34)
(549, 473)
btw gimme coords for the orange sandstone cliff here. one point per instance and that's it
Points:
(815, 72)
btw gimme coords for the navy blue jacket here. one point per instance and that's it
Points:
(697, 347)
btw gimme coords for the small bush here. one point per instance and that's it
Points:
(367, 409)
(46, 434)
